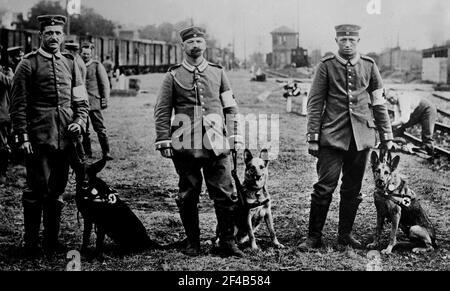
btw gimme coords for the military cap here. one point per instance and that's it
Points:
(14, 50)
(347, 30)
(191, 32)
(72, 45)
(50, 20)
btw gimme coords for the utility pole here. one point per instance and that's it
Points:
(68, 17)
(245, 46)
(298, 23)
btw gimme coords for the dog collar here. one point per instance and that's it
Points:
(404, 201)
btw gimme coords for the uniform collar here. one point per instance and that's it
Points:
(191, 68)
(47, 55)
(88, 63)
(353, 61)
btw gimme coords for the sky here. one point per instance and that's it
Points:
(415, 24)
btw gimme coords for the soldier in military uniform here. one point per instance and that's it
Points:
(98, 89)
(15, 55)
(73, 49)
(49, 106)
(345, 97)
(5, 87)
(204, 129)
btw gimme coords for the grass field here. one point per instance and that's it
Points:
(149, 184)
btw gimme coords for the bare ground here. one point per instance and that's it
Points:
(149, 183)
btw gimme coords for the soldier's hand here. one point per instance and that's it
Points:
(75, 129)
(389, 145)
(26, 148)
(313, 149)
(103, 103)
(166, 153)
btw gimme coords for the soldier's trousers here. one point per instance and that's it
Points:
(217, 174)
(97, 121)
(330, 164)
(425, 114)
(47, 176)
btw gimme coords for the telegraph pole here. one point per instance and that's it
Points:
(68, 17)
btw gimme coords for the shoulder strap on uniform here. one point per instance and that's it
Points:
(368, 59)
(215, 65)
(173, 67)
(327, 58)
(29, 55)
(68, 55)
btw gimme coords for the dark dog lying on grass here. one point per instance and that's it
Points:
(395, 201)
(254, 200)
(100, 205)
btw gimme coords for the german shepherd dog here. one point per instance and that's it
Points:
(254, 200)
(395, 201)
(101, 206)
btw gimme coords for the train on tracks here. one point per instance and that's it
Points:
(130, 56)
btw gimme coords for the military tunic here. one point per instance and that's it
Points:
(204, 121)
(48, 95)
(345, 98)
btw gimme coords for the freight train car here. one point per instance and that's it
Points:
(130, 56)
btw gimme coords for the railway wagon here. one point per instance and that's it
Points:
(131, 56)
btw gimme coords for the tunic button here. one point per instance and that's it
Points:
(201, 96)
(203, 109)
(350, 96)
(349, 77)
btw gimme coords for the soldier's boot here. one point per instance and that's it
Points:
(4, 158)
(32, 211)
(226, 225)
(317, 217)
(52, 219)
(347, 214)
(104, 144)
(87, 146)
(189, 218)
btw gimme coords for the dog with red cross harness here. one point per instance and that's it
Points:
(395, 201)
(254, 200)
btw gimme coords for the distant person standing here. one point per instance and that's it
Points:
(109, 67)
(98, 89)
(15, 55)
(73, 48)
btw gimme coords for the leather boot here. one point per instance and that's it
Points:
(52, 219)
(104, 144)
(226, 224)
(190, 220)
(347, 214)
(317, 217)
(87, 146)
(32, 211)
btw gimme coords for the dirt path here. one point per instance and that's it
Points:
(148, 183)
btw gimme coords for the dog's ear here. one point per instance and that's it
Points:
(247, 156)
(393, 164)
(264, 155)
(374, 159)
(96, 167)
